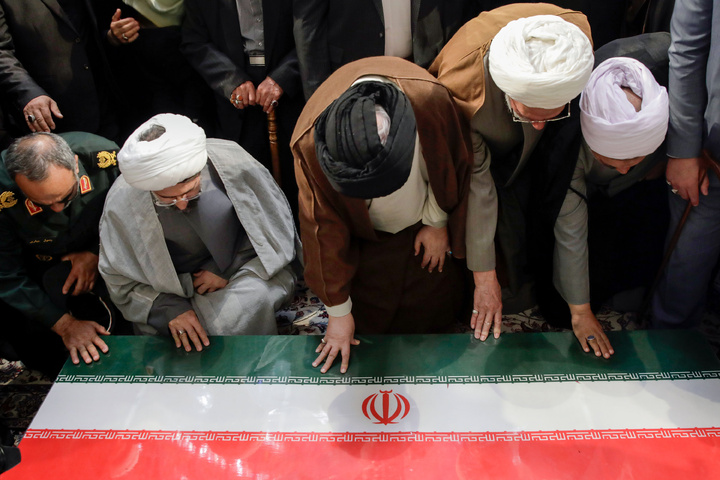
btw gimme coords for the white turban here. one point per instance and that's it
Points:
(541, 61)
(176, 155)
(610, 124)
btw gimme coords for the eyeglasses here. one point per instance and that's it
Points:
(186, 197)
(517, 118)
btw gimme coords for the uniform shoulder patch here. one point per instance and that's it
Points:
(31, 207)
(7, 200)
(85, 185)
(106, 159)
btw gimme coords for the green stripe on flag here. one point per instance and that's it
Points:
(404, 359)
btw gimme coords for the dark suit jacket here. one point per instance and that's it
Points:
(331, 33)
(41, 53)
(213, 45)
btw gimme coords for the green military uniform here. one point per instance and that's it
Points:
(33, 239)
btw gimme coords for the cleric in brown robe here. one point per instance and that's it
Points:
(510, 70)
(382, 160)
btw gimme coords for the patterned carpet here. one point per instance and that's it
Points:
(23, 390)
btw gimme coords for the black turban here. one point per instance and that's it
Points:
(349, 149)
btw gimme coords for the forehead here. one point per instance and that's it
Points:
(179, 189)
(614, 162)
(55, 186)
(532, 113)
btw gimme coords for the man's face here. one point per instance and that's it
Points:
(535, 116)
(56, 192)
(622, 166)
(179, 195)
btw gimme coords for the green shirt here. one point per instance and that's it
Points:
(33, 239)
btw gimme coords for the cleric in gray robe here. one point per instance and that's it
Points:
(196, 237)
(586, 181)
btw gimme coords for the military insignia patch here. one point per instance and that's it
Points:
(85, 185)
(44, 258)
(31, 207)
(7, 200)
(106, 159)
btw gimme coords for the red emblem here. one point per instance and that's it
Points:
(31, 207)
(85, 185)
(401, 407)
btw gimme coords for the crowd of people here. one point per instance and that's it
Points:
(445, 162)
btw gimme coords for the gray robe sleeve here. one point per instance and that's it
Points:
(164, 309)
(482, 210)
(571, 275)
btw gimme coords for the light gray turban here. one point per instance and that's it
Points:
(610, 124)
(541, 61)
(176, 155)
(163, 13)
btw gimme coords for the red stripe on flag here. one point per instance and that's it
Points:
(660, 453)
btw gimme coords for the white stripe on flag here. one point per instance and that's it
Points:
(429, 408)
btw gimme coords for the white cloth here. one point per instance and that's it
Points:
(163, 13)
(397, 18)
(541, 61)
(610, 124)
(176, 155)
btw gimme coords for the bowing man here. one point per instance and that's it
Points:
(382, 163)
(196, 237)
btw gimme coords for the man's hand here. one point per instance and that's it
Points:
(83, 274)
(186, 325)
(589, 332)
(684, 175)
(268, 92)
(339, 336)
(81, 337)
(122, 30)
(207, 282)
(487, 305)
(436, 246)
(243, 95)
(41, 109)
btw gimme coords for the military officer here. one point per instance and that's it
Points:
(52, 191)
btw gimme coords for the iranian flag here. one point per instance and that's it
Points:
(428, 407)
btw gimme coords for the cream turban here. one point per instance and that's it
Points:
(541, 61)
(176, 155)
(610, 124)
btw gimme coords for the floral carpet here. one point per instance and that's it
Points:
(22, 391)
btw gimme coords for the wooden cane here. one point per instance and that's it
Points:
(274, 153)
(711, 165)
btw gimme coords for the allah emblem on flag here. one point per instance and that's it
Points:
(400, 407)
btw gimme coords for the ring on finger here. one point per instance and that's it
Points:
(323, 341)
(674, 190)
(124, 37)
(475, 312)
(31, 118)
(274, 103)
(181, 332)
